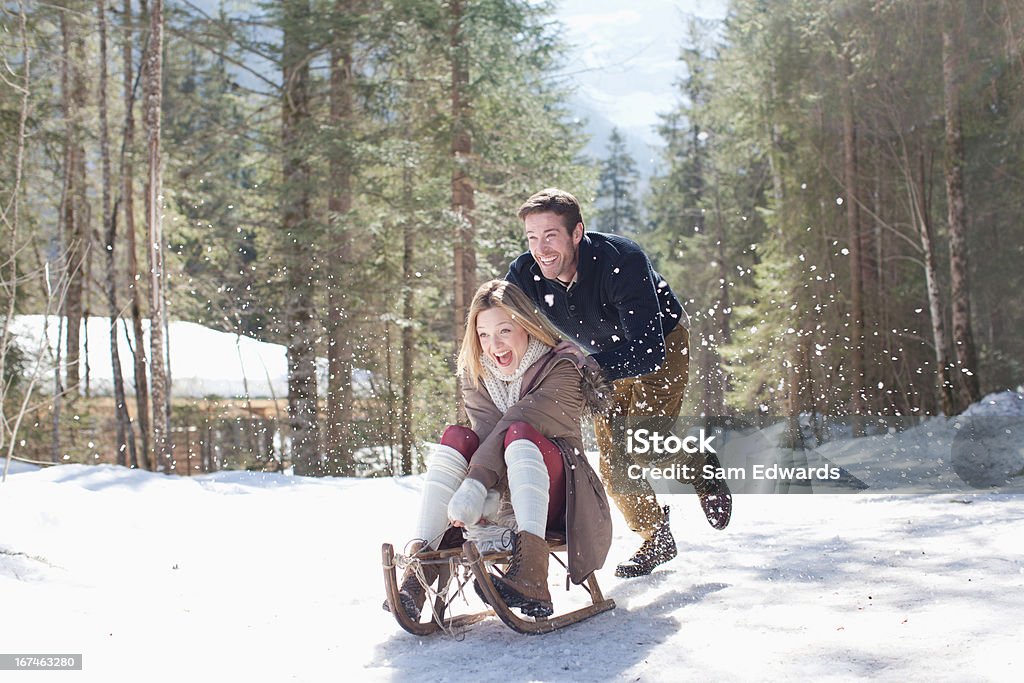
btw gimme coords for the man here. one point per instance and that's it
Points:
(602, 293)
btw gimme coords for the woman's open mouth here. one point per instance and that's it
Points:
(503, 359)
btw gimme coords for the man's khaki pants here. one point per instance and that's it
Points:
(652, 401)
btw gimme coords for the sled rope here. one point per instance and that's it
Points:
(410, 561)
(404, 562)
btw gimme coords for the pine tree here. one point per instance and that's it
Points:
(618, 206)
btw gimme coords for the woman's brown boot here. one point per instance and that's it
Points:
(525, 584)
(411, 593)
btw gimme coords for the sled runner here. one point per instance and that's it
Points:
(457, 566)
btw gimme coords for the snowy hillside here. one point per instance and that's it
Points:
(266, 577)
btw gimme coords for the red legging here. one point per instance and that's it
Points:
(465, 441)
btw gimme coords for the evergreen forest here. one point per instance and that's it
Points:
(837, 201)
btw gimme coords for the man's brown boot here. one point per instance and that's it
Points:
(525, 584)
(660, 548)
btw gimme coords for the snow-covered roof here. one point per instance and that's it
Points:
(203, 362)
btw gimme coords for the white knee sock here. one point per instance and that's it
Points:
(445, 472)
(528, 485)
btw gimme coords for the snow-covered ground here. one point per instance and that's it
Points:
(270, 577)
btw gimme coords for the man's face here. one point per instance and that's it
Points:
(554, 248)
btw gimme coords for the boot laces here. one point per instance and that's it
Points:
(517, 556)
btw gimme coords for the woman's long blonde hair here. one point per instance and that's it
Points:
(511, 300)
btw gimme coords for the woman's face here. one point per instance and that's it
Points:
(502, 339)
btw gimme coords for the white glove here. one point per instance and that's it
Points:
(491, 505)
(467, 505)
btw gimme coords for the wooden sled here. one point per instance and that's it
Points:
(470, 558)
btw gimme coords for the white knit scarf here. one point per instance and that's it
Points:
(504, 389)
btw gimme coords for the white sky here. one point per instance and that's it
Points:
(624, 54)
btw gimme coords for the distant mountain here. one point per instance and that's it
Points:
(642, 143)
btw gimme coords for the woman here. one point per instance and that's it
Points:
(524, 402)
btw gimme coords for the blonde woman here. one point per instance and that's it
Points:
(525, 402)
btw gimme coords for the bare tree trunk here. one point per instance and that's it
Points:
(935, 307)
(463, 201)
(134, 282)
(9, 275)
(66, 226)
(408, 331)
(76, 227)
(58, 393)
(302, 389)
(857, 369)
(716, 383)
(87, 280)
(338, 440)
(963, 336)
(125, 434)
(154, 222)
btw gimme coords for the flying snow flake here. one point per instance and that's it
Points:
(839, 201)
(881, 385)
(844, 251)
(918, 310)
(615, 337)
(616, 271)
(549, 299)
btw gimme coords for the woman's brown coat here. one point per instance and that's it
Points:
(552, 402)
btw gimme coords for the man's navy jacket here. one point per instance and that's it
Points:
(618, 309)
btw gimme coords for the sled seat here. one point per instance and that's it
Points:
(555, 541)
